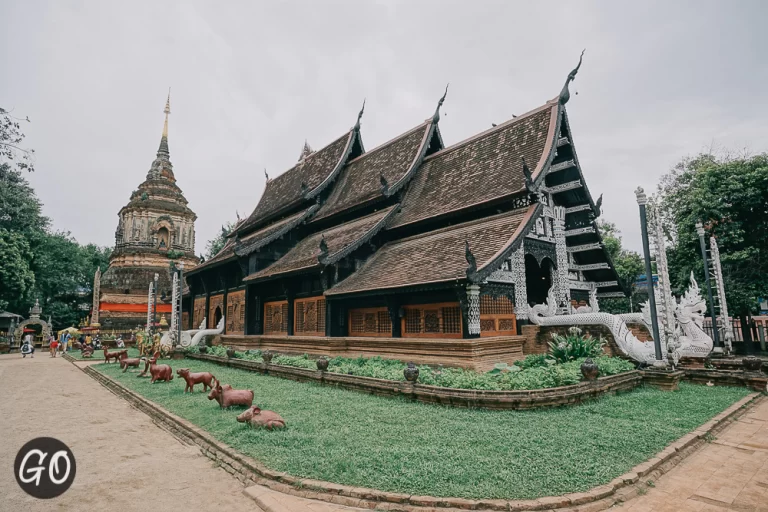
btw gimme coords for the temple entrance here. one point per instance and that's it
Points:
(538, 279)
(217, 316)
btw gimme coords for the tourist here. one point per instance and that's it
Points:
(119, 341)
(27, 348)
(53, 345)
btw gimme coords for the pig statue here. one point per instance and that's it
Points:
(261, 419)
(227, 397)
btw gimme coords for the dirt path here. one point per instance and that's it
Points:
(123, 459)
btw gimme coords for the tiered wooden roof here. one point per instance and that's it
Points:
(440, 256)
(425, 203)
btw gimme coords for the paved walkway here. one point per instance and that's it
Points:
(128, 462)
(124, 462)
(731, 473)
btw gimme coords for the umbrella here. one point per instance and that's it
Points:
(70, 330)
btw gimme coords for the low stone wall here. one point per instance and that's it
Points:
(476, 354)
(737, 378)
(248, 470)
(522, 399)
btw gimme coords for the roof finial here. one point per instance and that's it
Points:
(565, 94)
(527, 175)
(471, 261)
(359, 116)
(436, 117)
(305, 151)
(265, 174)
(164, 139)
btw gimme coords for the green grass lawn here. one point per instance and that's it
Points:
(99, 354)
(396, 445)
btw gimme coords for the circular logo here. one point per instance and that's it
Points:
(45, 468)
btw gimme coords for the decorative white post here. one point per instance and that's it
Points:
(473, 309)
(724, 318)
(561, 282)
(96, 293)
(667, 303)
(175, 303)
(517, 267)
(149, 308)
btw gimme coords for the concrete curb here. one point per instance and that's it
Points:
(247, 469)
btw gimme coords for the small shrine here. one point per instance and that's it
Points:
(39, 339)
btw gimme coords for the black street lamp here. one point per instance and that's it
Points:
(715, 334)
(181, 301)
(642, 201)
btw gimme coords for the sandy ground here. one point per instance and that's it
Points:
(124, 461)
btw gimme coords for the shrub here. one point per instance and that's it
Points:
(574, 346)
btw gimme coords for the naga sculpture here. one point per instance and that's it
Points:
(227, 397)
(208, 332)
(693, 341)
(204, 378)
(126, 362)
(261, 419)
(186, 336)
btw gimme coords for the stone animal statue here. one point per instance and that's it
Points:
(161, 372)
(201, 334)
(116, 355)
(204, 378)
(86, 351)
(147, 363)
(125, 362)
(227, 397)
(257, 418)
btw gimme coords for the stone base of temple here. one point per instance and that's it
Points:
(663, 380)
(477, 354)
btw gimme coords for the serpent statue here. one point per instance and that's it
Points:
(690, 339)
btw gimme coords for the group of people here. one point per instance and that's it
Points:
(65, 342)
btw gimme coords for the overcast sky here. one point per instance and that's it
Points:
(251, 80)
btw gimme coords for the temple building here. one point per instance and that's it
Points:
(413, 239)
(155, 228)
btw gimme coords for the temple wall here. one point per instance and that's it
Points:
(476, 353)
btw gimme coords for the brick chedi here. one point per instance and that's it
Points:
(154, 228)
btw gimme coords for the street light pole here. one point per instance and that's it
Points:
(642, 201)
(715, 334)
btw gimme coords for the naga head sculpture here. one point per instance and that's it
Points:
(692, 306)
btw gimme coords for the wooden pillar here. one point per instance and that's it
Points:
(290, 295)
(393, 308)
(329, 323)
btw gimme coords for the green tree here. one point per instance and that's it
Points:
(628, 265)
(730, 196)
(215, 245)
(11, 138)
(16, 277)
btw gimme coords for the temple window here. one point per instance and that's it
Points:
(497, 316)
(309, 316)
(432, 321)
(370, 322)
(276, 317)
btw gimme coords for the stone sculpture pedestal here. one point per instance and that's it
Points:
(663, 380)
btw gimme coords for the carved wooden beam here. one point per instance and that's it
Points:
(585, 247)
(564, 187)
(562, 166)
(579, 208)
(606, 284)
(580, 231)
(611, 295)
(592, 266)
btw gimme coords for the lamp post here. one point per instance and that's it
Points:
(154, 305)
(715, 334)
(642, 201)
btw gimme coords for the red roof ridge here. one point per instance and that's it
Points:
(501, 126)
